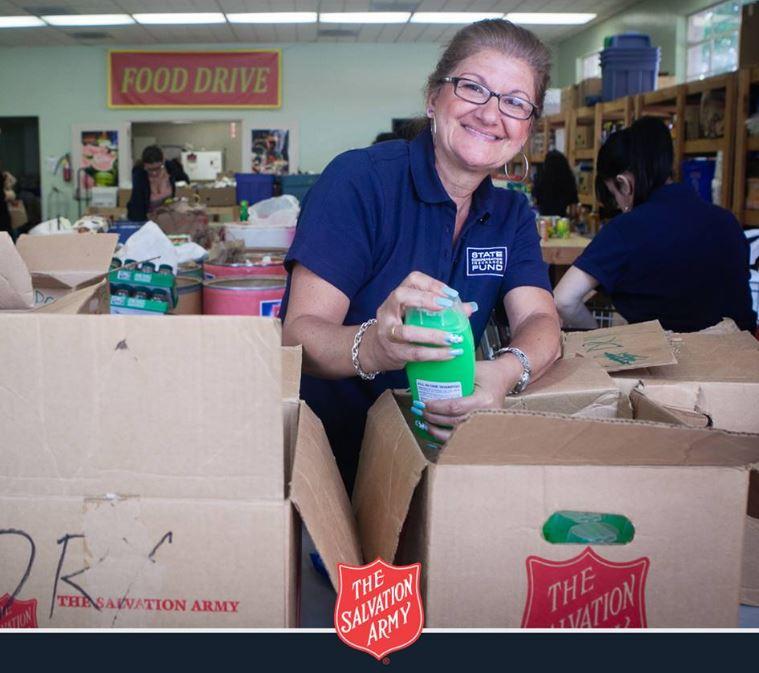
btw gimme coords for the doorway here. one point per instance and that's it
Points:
(20, 156)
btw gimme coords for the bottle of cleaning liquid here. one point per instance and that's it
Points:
(244, 211)
(447, 379)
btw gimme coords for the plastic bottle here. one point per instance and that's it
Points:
(447, 379)
(567, 527)
(243, 211)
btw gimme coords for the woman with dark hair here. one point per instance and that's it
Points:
(669, 256)
(404, 224)
(153, 182)
(555, 186)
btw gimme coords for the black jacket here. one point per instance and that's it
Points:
(139, 203)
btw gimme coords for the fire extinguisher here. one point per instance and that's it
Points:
(66, 168)
(64, 163)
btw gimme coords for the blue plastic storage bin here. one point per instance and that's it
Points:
(636, 40)
(297, 185)
(699, 173)
(627, 71)
(124, 228)
(253, 187)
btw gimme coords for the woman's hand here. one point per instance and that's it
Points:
(493, 380)
(390, 344)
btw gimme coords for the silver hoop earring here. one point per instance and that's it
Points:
(523, 178)
(433, 125)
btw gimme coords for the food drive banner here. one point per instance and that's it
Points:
(250, 79)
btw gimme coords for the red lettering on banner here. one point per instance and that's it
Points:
(178, 79)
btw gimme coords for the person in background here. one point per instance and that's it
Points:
(668, 256)
(555, 187)
(153, 182)
(401, 224)
(7, 182)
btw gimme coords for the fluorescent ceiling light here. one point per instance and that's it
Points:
(20, 22)
(550, 18)
(364, 17)
(180, 18)
(453, 17)
(273, 17)
(89, 19)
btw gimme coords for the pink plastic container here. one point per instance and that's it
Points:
(247, 295)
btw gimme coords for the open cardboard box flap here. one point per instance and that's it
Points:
(15, 282)
(318, 493)
(623, 347)
(67, 261)
(382, 493)
(576, 386)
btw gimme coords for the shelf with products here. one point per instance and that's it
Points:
(746, 168)
(708, 126)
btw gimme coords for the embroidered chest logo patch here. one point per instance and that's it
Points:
(485, 261)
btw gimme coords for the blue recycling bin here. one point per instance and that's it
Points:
(124, 228)
(699, 173)
(297, 185)
(629, 65)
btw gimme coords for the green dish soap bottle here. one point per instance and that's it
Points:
(446, 379)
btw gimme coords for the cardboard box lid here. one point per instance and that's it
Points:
(647, 409)
(185, 407)
(317, 491)
(292, 360)
(708, 357)
(391, 465)
(532, 438)
(572, 386)
(623, 347)
(67, 260)
(15, 282)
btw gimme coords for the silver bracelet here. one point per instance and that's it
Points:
(354, 351)
(524, 379)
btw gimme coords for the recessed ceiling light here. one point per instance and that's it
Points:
(273, 17)
(89, 19)
(453, 17)
(20, 22)
(179, 18)
(550, 18)
(364, 17)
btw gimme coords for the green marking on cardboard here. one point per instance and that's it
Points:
(623, 358)
(601, 343)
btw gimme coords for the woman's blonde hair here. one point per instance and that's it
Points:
(499, 35)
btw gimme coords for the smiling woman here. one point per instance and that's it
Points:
(419, 224)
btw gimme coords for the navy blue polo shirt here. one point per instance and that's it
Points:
(676, 259)
(374, 216)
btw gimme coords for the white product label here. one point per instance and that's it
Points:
(433, 390)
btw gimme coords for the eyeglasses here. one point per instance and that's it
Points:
(474, 92)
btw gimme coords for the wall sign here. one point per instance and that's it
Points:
(219, 79)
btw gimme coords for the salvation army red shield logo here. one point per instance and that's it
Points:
(17, 614)
(379, 607)
(585, 592)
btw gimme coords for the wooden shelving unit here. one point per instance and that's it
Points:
(692, 91)
(748, 79)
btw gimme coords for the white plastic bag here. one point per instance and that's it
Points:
(279, 211)
(149, 243)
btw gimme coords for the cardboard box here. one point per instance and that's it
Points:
(692, 119)
(569, 99)
(60, 264)
(664, 81)
(218, 196)
(473, 515)
(576, 387)
(590, 88)
(714, 383)
(123, 198)
(119, 213)
(624, 347)
(157, 480)
(18, 294)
